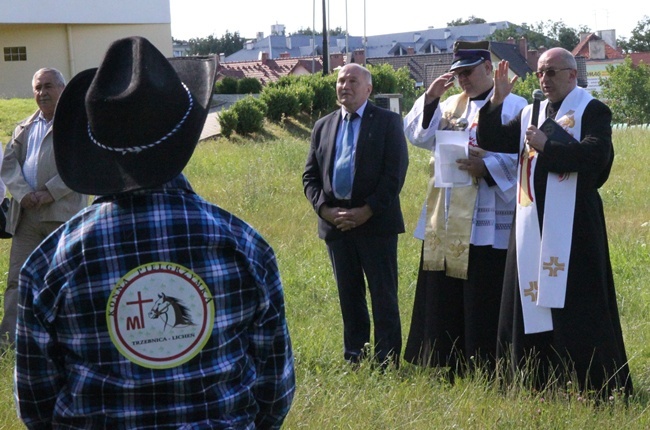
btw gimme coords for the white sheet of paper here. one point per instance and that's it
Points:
(450, 146)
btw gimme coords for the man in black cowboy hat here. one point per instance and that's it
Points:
(152, 308)
(464, 225)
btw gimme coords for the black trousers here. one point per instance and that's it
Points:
(376, 258)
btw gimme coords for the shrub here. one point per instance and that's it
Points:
(280, 102)
(324, 92)
(227, 85)
(228, 122)
(249, 86)
(384, 80)
(305, 95)
(246, 116)
(285, 81)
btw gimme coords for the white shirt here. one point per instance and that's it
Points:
(37, 133)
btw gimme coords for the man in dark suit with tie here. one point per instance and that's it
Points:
(354, 173)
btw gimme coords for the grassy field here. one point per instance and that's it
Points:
(259, 179)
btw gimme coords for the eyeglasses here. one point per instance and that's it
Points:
(550, 72)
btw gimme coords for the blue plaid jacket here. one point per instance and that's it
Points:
(70, 372)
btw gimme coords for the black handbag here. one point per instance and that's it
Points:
(4, 208)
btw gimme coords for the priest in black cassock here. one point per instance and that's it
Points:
(558, 310)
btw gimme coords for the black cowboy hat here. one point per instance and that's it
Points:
(133, 122)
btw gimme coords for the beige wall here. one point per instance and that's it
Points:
(69, 48)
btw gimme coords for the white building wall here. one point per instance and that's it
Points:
(69, 48)
(73, 35)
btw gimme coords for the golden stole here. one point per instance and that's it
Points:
(446, 241)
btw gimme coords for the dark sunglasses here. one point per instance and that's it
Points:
(549, 72)
(465, 73)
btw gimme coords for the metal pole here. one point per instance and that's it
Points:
(347, 31)
(365, 38)
(326, 60)
(313, 38)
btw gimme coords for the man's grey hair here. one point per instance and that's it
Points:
(365, 72)
(58, 76)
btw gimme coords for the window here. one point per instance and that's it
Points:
(16, 53)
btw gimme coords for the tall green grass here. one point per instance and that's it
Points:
(259, 179)
(13, 111)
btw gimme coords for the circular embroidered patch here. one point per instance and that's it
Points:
(160, 315)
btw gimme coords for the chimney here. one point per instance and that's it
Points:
(336, 60)
(285, 55)
(511, 40)
(609, 36)
(597, 50)
(410, 50)
(263, 56)
(523, 46)
(359, 56)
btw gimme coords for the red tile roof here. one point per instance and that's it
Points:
(637, 57)
(267, 71)
(582, 49)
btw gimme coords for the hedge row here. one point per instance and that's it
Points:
(288, 97)
(291, 96)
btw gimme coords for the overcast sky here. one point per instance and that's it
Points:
(201, 18)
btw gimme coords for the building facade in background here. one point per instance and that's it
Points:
(71, 35)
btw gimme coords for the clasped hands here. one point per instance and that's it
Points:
(346, 219)
(36, 199)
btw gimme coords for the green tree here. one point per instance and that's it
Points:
(227, 44)
(567, 37)
(384, 80)
(547, 34)
(640, 39)
(338, 31)
(533, 36)
(525, 87)
(471, 20)
(406, 86)
(627, 92)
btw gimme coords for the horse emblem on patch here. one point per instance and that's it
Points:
(160, 315)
